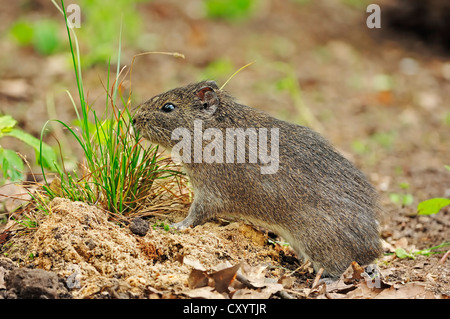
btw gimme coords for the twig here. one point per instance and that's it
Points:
(303, 266)
(316, 280)
(442, 260)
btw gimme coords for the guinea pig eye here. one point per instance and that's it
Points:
(168, 107)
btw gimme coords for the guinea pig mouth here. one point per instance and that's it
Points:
(154, 134)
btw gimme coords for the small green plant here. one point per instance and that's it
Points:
(27, 222)
(117, 171)
(434, 205)
(12, 165)
(402, 253)
(403, 199)
(162, 225)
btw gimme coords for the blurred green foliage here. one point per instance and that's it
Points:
(219, 70)
(446, 118)
(98, 33)
(42, 35)
(229, 9)
(402, 198)
(357, 4)
(385, 140)
(100, 28)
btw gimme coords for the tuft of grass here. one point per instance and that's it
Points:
(117, 171)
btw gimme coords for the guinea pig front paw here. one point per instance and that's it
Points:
(181, 225)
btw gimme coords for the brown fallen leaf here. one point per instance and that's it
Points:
(357, 283)
(251, 282)
(407, 291)
(252, 277)
(204, 293)
(353, 273)
(261, 293)
(197, 278)
(193, 263)
(223, 278)
(364, 291)
(287, 281)
(220, 280)
(395, 291)
(257, 286)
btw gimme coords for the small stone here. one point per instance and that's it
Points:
(35, 284)
(139, 226)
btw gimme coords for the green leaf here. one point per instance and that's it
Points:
(447, 167)
(6, 123)
(48, 154)
(432, 206)
(11, 165)
(401, 199)
(401, 253)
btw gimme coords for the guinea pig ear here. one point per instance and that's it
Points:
(208, 97)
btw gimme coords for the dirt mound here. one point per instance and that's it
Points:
(99, 258)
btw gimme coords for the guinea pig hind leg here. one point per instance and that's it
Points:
(198, 214)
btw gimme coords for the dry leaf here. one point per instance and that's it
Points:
(251, 283)
(262, 293)
(197, 278)
(193, 263)
(255, 277)
(287, 281)
(204, 292)
(408, 291)
(223, 278)
(352, 273)
(401, 243)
